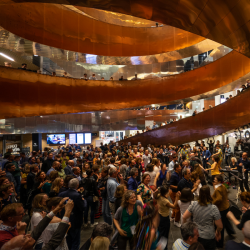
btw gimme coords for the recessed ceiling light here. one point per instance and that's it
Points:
(2, 54)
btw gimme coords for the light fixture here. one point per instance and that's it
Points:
(2, 54)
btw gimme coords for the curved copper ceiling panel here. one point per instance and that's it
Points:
(224, 21)
(58, 95)
(227, 116)
(57, 26)
(15, 43)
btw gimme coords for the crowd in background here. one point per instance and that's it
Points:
(139, 191)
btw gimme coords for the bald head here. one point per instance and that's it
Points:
(71, 163)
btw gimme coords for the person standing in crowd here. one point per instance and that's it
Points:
(220, 199)
(215, 167)
(10, 169)
(172, 164)
(243, 166)
(147, 228)
(47, 164)
(205, 156)
(57, 184)
(144, 192)
(119, 192)
(90, 193)
(102, 186)
(205, 215)
(76, 217)
(218, 153)
(174, 181)
(150, 171)
(47, 185)
(189, 234)
(112, 184)
(38, 209)
(126, 218)
(161, 176)
(5, 195)
(186, 181)
(227, 154)
(211, 145)
(54, 167)
(31, 176)
(69, 169)
(146, 158)
(17, 174)
(164, 205)
(132, 182)
(93, 77)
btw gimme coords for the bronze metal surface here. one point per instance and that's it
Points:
(16, 43)
(224, 21)
(222, 118)
(91, 121)
(57, 26)
(57, 95)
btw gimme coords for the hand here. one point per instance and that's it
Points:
(245, 170)
(178, 195)
(217, 235)
(122, 233)
(21, 226)
(240, 164)
(41, 185)
(207, 159)
(244, 209)
(69, 206)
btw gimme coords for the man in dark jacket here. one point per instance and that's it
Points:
(48, 163)
(76, 217)
(69, 169)
(31, 176)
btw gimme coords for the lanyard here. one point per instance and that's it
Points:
(9, 232)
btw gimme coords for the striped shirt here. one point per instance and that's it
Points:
(180, 245)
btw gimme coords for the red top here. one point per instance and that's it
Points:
(5, 236)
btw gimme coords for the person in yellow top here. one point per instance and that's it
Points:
(163, 209)
(64, 160)
(184, 151)
(214, 167)
(219, 154)
(96, 159)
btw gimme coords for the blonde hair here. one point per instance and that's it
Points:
(100, 243)
(233, 158)
(56, 185)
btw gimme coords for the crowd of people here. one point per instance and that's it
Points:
(139, 191)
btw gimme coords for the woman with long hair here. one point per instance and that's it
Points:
(138, 165)
(52, 203)
(66, 183)
(38, 208)
(161, 176)
(205, 215)
(164, 205)
(126, 218)
(144, 192)
(214, 167)
(47, 185)
(146, 234)
(91, 158)
(57, 184)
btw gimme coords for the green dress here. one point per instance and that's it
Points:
(46, 188)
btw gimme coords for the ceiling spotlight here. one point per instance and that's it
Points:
(2, 54)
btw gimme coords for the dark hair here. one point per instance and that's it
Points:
(176, 166)
(123, 161)
(89, 172)
(105, 170)
(53, 202)
(164, 190)
(150, 167)
(4, 188)
(95, 168)
(219, 178)
(10, 211)
(216, 158)
(144, 176)
(53, 175)
(245, 196)
(119, 192)
(196, 246)
(112, 160)
(186, 195)
(205, 196)
(38, 175)
(9, 165)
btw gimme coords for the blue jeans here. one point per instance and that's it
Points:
(92, 206)
(18, 184)
(106, 211)
(73, 238)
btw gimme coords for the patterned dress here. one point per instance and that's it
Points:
(145, 195)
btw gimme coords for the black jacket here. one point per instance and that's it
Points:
(103, 183)
(90, 187)
(30, 180)
(76, 217)
(47, 165)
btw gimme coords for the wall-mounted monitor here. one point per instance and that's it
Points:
(56, 139)
(87, 138)
(80, 138)
(72, 138)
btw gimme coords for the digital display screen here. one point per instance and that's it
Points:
(56, 139)
(72, 138)
(88, 138)
(80, 139)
